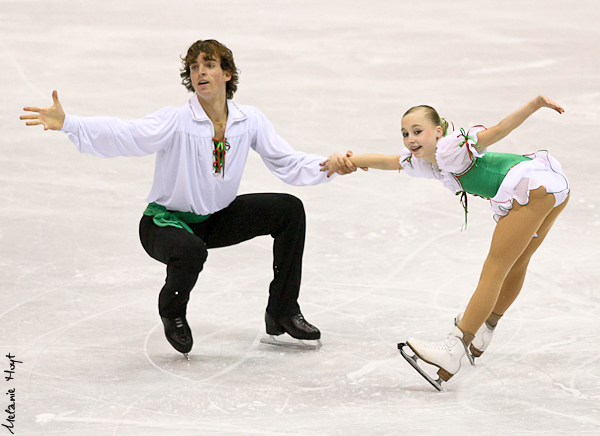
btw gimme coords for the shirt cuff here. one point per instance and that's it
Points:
(69, 124)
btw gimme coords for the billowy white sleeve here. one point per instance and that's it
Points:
(416, 167)
(291, 166)
(114, 137)
(455, 152)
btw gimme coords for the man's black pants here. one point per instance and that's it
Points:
(279, 215)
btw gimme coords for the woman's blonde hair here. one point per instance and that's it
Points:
(432, 115)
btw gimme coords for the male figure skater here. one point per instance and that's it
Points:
(201, 150)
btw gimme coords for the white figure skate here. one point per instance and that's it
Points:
(482, 338)
(446, 355)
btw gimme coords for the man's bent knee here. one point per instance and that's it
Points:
(191, 261)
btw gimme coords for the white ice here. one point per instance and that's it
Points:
(385, 255)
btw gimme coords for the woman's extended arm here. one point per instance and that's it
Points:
(377, 161)
(503, 128)
(340, 164)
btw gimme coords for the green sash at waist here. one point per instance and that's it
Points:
(163, 217)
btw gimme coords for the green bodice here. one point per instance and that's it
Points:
(485, 175)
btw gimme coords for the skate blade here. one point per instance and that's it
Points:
(187, 356)
(413, 362)
(289, 342)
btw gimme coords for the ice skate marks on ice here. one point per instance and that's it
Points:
(413, 362)
(289, 342)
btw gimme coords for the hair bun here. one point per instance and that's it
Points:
(444, 125)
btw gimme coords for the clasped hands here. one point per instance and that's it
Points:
(340, 164)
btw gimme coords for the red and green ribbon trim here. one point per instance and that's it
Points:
(463, 194)
(464, 204)
(467, 137)
(219, 152)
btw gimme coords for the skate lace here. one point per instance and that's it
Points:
(304, 323)
(451, 341)
(181, 333)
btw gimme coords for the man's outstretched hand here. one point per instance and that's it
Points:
(52, 117)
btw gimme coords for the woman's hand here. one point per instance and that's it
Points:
(338, 163)
(349, 154)
(52, 118)
(544, 101)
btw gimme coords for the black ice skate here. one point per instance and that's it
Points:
(179, 334)
(305, 335)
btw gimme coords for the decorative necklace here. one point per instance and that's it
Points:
(221, 147)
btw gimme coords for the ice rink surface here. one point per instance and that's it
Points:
(386, 257)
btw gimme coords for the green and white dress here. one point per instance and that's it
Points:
(500, 177)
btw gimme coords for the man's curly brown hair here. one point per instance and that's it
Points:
(213, 49)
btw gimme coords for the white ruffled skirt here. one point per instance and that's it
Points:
(542, 170)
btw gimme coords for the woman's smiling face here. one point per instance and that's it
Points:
(420, 135)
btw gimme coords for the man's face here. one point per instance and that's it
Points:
(207, 77)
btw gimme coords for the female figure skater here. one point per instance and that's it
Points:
(527, 193)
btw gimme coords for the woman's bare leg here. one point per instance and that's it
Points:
(514, 280)
(512, 237)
